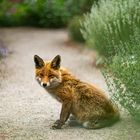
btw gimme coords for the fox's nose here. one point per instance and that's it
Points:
(44, 84)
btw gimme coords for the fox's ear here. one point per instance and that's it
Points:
(39, 63)
(55, 64)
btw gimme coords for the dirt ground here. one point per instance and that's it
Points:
(26, 110)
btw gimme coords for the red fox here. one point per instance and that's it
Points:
(87, 104)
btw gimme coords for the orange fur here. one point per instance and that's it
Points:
(87, 103)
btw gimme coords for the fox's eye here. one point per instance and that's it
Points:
(41, 74)
(51, 75)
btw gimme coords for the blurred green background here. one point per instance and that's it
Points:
(42, 13)
(46, 13)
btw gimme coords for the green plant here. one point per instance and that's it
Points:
(123, 78)
(113, 29)
(13, 14)
(57, 13)
(74, 24)
(74, 29)
(110, 23)
(43, 13)
(49, 13)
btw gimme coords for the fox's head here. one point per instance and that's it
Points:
(48, 73)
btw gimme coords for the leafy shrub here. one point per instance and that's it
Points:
(124, 78)
(111, 23)
(43, 13)
(74, 25)
(74, 29)
(113, 29)
(57, 13)
(13, 14)
(49, 13)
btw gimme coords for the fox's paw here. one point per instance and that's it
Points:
(57, 125)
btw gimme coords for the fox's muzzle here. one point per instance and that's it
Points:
(45, 84)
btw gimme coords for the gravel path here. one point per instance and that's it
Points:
(26, 110)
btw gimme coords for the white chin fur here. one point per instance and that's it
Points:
(41, 84)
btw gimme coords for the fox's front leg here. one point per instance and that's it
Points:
(65, 112)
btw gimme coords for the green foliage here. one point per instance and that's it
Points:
(110, 23)
(74, 25)
(12, 14)
(43, 13)
(113, 29)
(47, 13)
(74, 29)
(123, 77)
